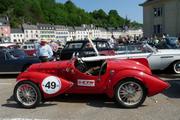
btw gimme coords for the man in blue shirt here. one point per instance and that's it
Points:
(44, 51)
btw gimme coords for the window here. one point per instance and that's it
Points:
(102, 45)
(74, 45)
(158, 12)
(158, 29)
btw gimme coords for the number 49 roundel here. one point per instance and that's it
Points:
(51, 85)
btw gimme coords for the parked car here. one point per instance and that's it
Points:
(126, 49)
(127, 80)
(29, 48)
(14, 61)
(7, 45)
(82, 47)
(159, 59)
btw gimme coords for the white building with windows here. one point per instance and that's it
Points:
(116, 33)
(46, 31)
(81, 33)
(17, 35)
(30, 32)
(72, 34)
(67, 33)
(61, 33)
(103, 33)
(135, 32)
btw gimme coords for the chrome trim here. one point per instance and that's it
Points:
(9, 73)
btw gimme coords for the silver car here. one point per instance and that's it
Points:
(158, 59)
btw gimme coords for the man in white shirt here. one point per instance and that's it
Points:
(44, 51)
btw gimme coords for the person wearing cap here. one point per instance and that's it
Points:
(44, 51)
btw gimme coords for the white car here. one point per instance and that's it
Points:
(158, 59)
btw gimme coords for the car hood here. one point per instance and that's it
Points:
(129, 64)
(48, 67)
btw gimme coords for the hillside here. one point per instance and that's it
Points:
(49, 11)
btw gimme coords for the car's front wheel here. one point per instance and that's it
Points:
(176, 67)
(130, 93)
(27, 94)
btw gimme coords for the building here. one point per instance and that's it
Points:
(61, 33)
(161, 16)
(81, 33)
(30, 32)
(135, 32)
(103, 33)
(17, 35)
(5, 30)
(116, 33)
(67, 33)
(46, 31)
(72, 34)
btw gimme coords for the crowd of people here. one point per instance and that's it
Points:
(47, 50)
(163, 42)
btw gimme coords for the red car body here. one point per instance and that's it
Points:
(73, 81)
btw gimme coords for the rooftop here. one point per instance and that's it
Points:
(148, 2)
(28, 26)
(45, 26)
(16, 30)
(4, 21)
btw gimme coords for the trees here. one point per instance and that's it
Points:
(48, 11)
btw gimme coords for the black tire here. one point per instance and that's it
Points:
(34, 91)
(135, 85)
(176, 67)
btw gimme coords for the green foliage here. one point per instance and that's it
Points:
(48, 11)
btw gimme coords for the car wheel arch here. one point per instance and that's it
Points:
(133, 79)
(171, 66)
(32, 81)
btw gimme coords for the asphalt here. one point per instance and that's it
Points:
(165, 106)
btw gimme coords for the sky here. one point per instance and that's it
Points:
(129, 8)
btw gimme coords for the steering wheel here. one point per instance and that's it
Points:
(81, 65)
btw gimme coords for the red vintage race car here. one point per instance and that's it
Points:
(128, 81)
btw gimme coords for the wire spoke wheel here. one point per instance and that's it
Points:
(27, 94)
(130, 94)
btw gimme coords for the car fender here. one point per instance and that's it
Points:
(153, 84)
(143, 61)
(49, 85)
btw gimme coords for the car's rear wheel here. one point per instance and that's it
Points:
(27, 94)
(130, 93)
(176, 67)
